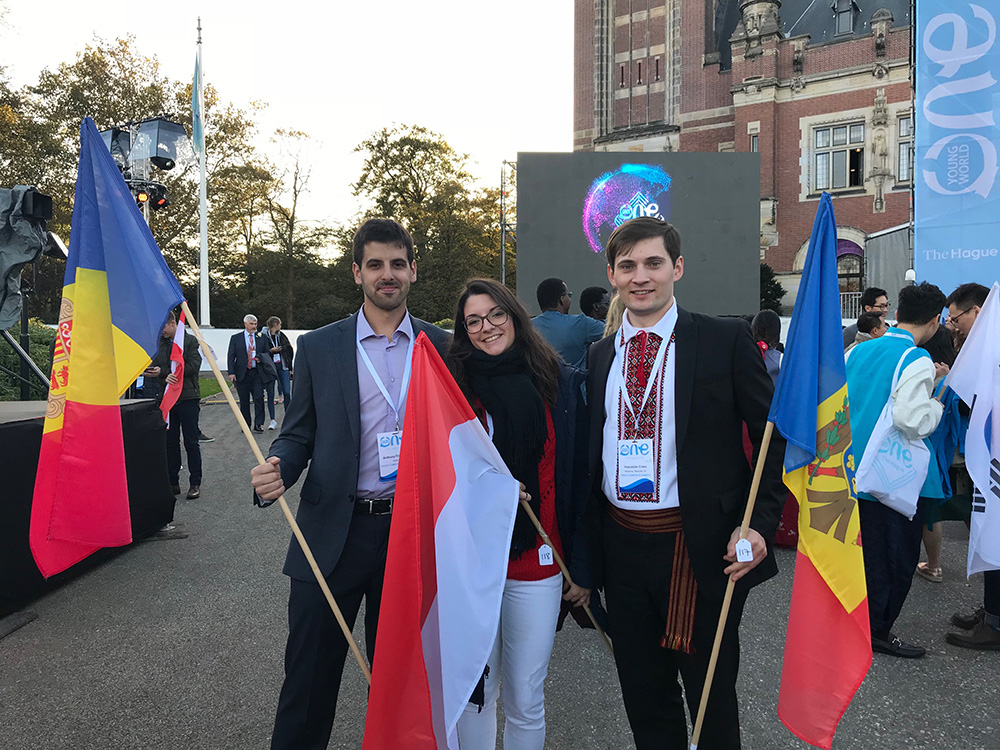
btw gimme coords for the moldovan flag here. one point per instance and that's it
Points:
(173, 391)
(117, 294)
(975, 377)
(828, 644)
(449, 545)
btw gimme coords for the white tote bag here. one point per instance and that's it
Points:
(893, 468)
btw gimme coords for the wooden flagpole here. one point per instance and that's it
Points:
(765, 443)
(320, 579)
(565, 571)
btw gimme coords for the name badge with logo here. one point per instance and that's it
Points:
(388, 455)
(635, 466)
(276, 358)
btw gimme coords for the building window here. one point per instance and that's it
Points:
(844, 11)
(849, 272)
(839, 156)
(639, 77)
(656, 74)
(753, 144)
(904, 152)
(622, 83)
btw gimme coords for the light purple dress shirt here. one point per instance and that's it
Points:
(389, 360)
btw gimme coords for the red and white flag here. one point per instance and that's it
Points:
(173, 391)
(452, 520)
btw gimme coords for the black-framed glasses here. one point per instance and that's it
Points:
(568, 293)
(497, 317)
(950, 319)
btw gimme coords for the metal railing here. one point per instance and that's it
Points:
(850, 305)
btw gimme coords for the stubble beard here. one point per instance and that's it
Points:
(382, 303)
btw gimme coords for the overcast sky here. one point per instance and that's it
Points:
(492, 78)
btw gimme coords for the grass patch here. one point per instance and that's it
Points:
(209, 386)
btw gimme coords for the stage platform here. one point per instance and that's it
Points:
(150, 500)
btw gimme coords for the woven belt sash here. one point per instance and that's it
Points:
(683, 587)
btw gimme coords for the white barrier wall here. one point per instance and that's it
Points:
(218, 339)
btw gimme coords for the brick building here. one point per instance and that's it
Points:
(820, 88)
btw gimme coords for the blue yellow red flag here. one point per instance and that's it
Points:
(828, 644)
(117, 294)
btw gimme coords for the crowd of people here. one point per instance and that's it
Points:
(632, 428)
(922, 349)
(258, 362)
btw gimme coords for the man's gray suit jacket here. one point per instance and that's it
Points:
(322, 430)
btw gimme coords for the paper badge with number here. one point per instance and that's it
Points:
(744, 551)
(545, 555)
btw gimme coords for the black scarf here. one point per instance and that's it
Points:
(507, 390)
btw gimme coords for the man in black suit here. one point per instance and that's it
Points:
(350, 390)
(246, 368)
(669, 394)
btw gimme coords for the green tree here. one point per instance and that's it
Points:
(40, 337)
(115, 84)
(771, 290)
(294, 239)
(411, 174)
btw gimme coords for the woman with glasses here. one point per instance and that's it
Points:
(532, 407)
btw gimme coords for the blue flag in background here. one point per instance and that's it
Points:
(828, 641)
(197, 131)
(812, 368)
(117, 294)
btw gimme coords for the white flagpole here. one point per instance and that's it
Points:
(203, 303)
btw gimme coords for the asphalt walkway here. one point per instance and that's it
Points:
(178, 644)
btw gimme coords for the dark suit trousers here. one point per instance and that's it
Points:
(317, 649)
(184, 416)
(637, 585)
(991, 591)
(252, 384)
(891, 546)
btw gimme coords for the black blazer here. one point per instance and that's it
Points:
(287, 353)
(236, 360)
(324, 422)
(721, 382)
(569, 422)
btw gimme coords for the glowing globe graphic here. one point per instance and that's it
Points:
(631, 191)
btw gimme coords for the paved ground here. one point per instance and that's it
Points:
(178, 644)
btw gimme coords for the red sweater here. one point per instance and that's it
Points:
(526, 568)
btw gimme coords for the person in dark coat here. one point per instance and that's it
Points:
(184, 414)
(534, 410)
(348, 389)
(251, 368)
(668, 395)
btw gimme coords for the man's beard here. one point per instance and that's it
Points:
(381, 302)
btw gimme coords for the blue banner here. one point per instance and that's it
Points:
(957, 135)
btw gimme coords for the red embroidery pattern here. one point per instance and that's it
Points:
(635, 388)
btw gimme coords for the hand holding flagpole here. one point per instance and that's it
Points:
(565, 570)
(320, 578)
(765, 443)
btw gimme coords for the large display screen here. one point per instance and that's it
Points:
(568, 205)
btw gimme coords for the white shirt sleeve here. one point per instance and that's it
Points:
(915, 412)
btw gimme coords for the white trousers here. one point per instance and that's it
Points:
(518, 666)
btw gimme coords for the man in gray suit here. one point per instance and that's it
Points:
(350, 386)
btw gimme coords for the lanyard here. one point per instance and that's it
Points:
(654, 375)
(381, 386)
